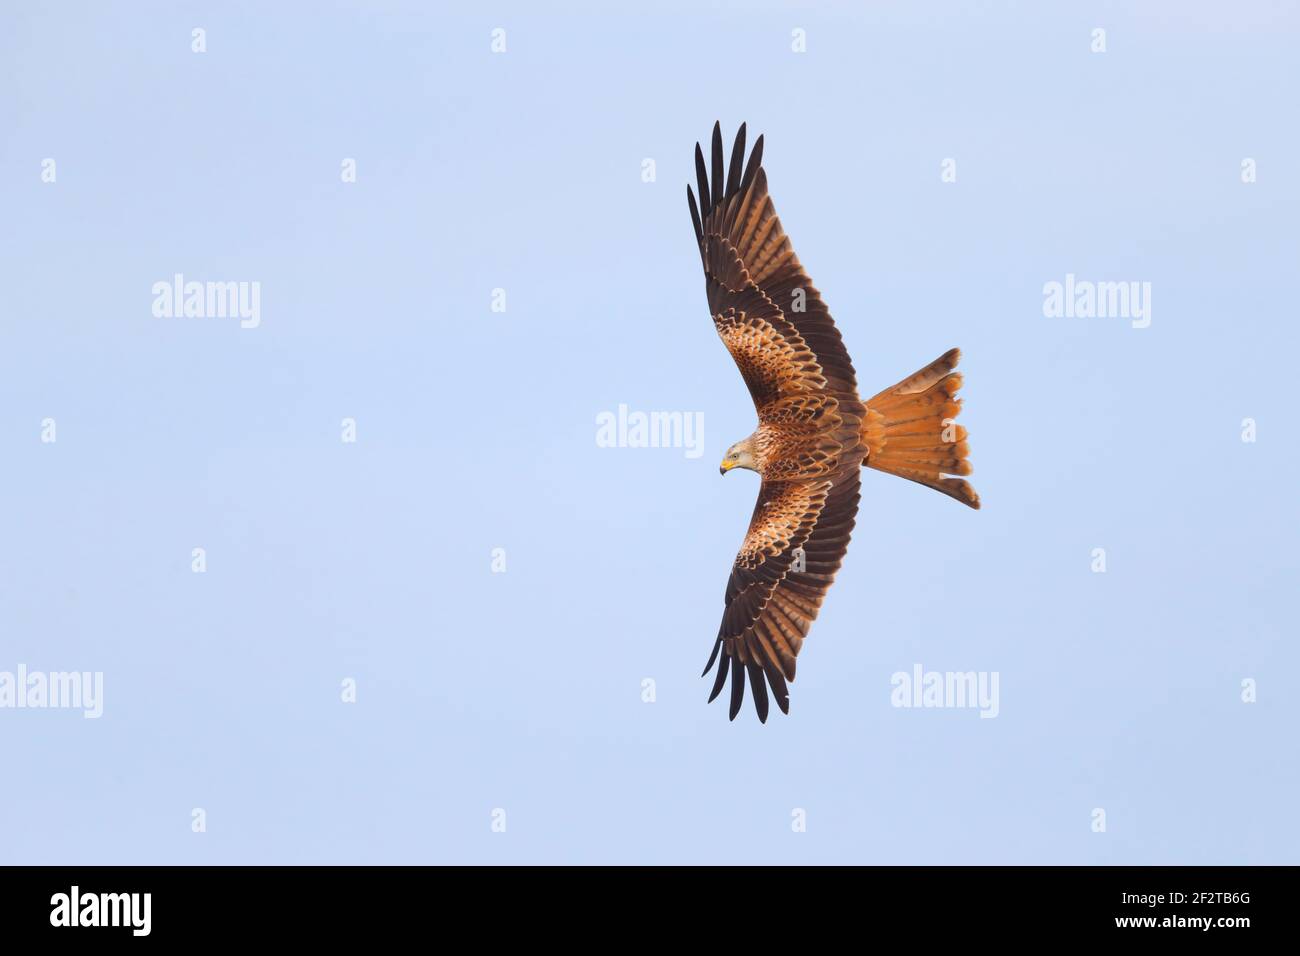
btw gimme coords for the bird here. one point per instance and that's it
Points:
(815, 433)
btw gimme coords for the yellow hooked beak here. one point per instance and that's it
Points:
(726, 466)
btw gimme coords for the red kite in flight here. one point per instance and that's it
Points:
(814, 432)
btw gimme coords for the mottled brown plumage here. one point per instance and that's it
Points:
(814, 433)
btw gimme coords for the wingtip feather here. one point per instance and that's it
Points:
(758, 688)
(721, 679)
(737, 691)
(716, 173)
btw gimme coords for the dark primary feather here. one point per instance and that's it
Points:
(737, 159)
(717, 163)
(721, 679)
(755, 161)
(737, 691)
(695, 218)
(779, 690)
(717, 646)
(702, 182)
(759, 690)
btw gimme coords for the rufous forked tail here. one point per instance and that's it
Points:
(909, 430)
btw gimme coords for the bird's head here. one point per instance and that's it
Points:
(739, 455)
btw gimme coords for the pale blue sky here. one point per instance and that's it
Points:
(476, 430)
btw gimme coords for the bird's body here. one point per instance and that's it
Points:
(814, 433)
(805, 438)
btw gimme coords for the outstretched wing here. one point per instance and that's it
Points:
(792, 582)
(777, 328)
(784, 517)
(766, 309)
